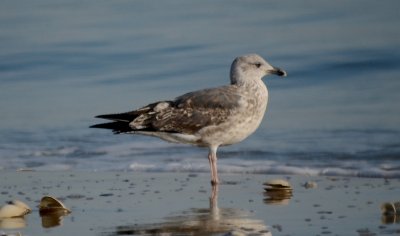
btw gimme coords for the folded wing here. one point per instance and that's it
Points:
(186, 114)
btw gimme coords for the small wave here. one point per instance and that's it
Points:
(331, 153)
(271, 168)
(53, 167)
(75, 152)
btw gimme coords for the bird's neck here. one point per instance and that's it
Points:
(245, 80)
(250, 83)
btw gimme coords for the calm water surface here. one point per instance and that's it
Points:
(337, 112)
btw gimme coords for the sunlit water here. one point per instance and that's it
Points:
(337, 112)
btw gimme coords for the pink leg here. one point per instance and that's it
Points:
(212, 158)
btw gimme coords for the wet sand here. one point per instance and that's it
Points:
(129, 203)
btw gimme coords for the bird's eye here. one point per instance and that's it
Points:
(258, 65)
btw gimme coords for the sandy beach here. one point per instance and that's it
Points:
(131, 203)
(332, 122)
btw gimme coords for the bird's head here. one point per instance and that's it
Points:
(252, 67)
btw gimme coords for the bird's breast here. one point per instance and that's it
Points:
(243, 121)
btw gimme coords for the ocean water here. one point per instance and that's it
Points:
(337, 112)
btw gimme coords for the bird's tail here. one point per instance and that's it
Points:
(117, 127)
(119, 124)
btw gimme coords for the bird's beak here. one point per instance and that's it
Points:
(277, 71)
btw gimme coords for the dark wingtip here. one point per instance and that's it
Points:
(109, 125)
(125, 117)
(104, 116)
(117, 127)
(98, 126)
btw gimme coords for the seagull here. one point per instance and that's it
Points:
(210, 117)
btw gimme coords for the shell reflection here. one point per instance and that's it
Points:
(52, 211)
(12, 223)
(277, 192)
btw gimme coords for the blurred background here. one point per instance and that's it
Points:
(336, 113)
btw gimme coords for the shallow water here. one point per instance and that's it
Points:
(335, 114)
(118, 203)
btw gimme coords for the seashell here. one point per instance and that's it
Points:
(390, 213)
(278, 192)
(50, 204)
(277, 185)
(389, 208)
(22, 205)
(14, 208)
(310, 184)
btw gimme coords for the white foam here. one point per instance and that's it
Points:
(53, 167)
(201, 165)
(142, 167)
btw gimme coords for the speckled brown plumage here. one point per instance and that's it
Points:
(210, 117)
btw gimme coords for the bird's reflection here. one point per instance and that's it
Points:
(201, 221)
